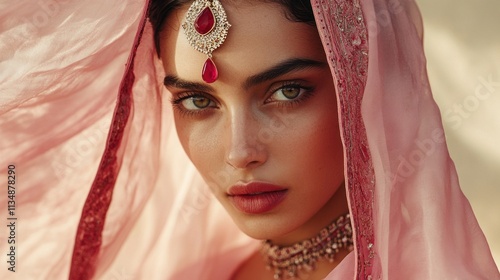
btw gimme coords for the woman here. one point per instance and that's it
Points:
(268, 100)
(410, 219)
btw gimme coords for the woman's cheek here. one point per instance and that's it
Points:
(202, 142)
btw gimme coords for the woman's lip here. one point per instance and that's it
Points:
(253, 188)
(256, 198)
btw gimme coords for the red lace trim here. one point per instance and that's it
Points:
(344, 34)
(89, 234)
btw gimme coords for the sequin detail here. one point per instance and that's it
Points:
(345, 39)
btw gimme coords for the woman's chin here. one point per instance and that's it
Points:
(262, 227)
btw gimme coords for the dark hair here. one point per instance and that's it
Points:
(296, 10)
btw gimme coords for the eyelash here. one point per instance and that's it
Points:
(307, 92)
(177, 103)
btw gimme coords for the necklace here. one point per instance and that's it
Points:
(288, 262)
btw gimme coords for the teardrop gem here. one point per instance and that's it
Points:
(205, 21)
(209, 72)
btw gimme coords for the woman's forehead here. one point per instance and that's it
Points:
(260, 36)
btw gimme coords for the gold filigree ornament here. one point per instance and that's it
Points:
(206, 28)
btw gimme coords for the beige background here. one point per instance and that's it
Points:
(462, 43)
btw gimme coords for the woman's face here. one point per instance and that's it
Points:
(265, 135)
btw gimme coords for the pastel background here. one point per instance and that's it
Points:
(462, 44)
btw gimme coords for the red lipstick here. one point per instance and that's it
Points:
(256, 197)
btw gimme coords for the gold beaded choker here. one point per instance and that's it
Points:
(288, 262)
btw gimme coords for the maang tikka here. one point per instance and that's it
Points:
(206, 28)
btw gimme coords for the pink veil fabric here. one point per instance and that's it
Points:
(60, 66)
(84, 120)
(418, 225)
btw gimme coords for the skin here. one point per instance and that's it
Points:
(282, 129)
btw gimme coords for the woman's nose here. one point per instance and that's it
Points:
(245, 150)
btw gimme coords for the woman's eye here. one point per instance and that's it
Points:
(287, 93)
(290, 92)
(194, 103)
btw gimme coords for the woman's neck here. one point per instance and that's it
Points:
(337, 206)
(301, 258)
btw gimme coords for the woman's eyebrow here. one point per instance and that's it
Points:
(174, 81)
(282, 68)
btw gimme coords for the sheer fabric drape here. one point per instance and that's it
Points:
(80, 80)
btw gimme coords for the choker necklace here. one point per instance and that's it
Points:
(288, 262)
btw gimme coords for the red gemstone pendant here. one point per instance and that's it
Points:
(205, 21)
(209, 72)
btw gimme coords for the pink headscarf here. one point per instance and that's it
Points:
(62, 63)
